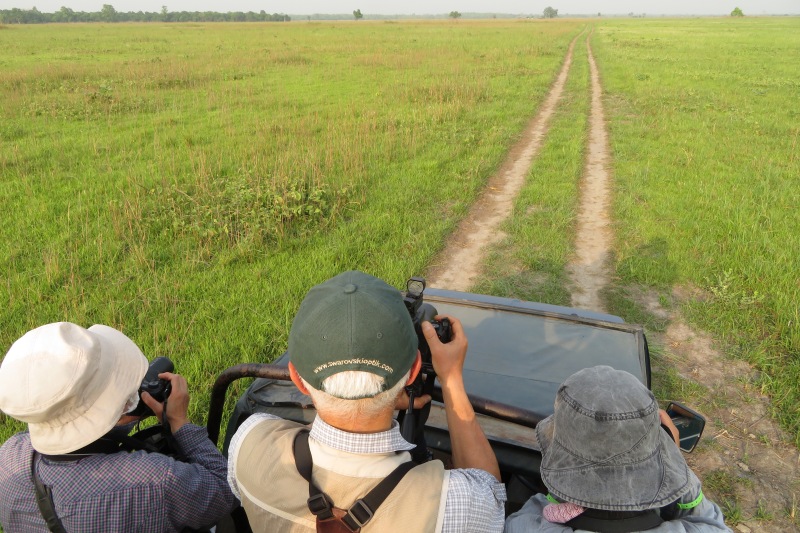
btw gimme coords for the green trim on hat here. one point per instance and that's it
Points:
(353, 321)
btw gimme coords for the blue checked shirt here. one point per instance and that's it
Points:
(475, 499)
(119, 492)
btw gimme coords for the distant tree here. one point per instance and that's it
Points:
(34, 16)
(455, 15)
(550, 13)
(357, 14)
(737, 13)
(15, 16)
(108, 13)
(64, 14)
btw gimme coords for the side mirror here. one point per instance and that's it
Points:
(690, 425)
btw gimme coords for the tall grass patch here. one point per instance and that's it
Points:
(705, 142)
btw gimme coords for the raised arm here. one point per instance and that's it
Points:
(471, 449)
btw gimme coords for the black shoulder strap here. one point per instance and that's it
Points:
(44, 499)
(616, 522)
(150, 440)
(363, 509)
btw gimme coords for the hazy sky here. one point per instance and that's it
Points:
(389, 7)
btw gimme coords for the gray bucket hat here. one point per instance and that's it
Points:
(603, 448)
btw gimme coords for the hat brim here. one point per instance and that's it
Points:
(657, 481)
(127, 367)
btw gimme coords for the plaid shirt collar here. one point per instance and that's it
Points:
(389, 441)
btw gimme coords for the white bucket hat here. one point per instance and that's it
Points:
(69, 384)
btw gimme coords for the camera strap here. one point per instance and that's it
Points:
(44, 499)
(331, 519)
(150, 440)
(44, 494)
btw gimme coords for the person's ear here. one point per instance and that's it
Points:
(415, 368)
(296, 379)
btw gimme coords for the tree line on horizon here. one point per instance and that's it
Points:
(109, 14)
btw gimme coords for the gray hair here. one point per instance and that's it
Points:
(355, 394)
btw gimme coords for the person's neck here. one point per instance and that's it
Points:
(359, 424)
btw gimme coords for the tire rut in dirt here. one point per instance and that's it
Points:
(459, 264)
(589, 270)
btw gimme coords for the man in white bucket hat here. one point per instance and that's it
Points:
(609, 466)
(74, 388)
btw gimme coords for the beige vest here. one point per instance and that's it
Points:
(274, 494)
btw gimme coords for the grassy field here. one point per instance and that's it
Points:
(704, 135)
(188, 183)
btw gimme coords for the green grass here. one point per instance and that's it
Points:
(706, 156)
(187, 184)
(722, 486)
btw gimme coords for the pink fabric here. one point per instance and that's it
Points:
(561, 513)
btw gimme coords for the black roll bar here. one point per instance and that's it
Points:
(481, 405)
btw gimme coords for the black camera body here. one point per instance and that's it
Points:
(443, 329)
(159, 389)
(412, 421)
(422, 312)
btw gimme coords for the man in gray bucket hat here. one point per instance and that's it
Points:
(609, 466)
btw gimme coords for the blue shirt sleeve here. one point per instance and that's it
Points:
(197, 491)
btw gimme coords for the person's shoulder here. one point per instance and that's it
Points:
(139, 473)
(17, 444)
(258, 427)
(473, 476)
(476, 487)
(15, 456)
(133, 468)
(531, 518)
(265, 425)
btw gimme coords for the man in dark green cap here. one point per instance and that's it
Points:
(353, 349)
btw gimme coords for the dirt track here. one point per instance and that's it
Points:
(589, 267)
(457, 267)
(746, 461)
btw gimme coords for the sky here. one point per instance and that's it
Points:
(419, 7)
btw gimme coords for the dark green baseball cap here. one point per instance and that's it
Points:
(353, 321)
